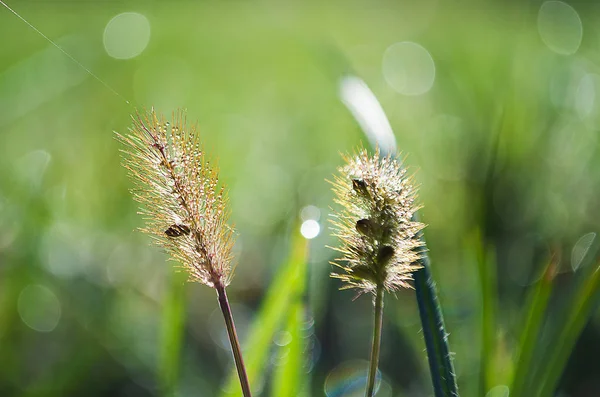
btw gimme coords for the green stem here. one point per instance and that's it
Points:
(376, 347)
(233, 339)
(434, 331)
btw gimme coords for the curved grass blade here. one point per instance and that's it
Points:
(434, 332)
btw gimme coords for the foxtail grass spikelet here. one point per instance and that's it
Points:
(378, 237)
(184, 206)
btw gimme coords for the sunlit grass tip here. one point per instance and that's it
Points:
(183, 204)
(377, 199)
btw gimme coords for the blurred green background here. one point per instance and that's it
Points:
(495, 104)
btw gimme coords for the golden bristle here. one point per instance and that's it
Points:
(375, 227)
(183, 204)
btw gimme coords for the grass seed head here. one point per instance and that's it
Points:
(183, 204)
(379, 239)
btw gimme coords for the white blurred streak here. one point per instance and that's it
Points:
(367, 110)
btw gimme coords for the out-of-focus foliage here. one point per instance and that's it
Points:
(496, 105)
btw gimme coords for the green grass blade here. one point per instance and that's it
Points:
(275, 308)
(289, 375)
(173, 321)
(288, 378)
(489, 304)
(579, 311)
(434, 332)
(538, 302)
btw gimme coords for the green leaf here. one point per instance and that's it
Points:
(489, 304)
(276, 306)
(578, 311)
(173, 320)
(434, 331)
(288, 377)
(538, 302)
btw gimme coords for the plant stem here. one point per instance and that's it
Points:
(233, 339)
(434, 331)
(376, 347)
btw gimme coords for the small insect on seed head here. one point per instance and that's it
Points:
(360, 187)
(177, 230)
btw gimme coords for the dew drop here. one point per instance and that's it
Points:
(39, 308)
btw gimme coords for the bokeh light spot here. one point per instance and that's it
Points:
(126, 35)
(581, 249)
(349, 379)
(498, 391)
(282, 338)
(62, 256)
(310, 212)
(39, 308)
(310, 229)
(586, 95)
(32, 167)
(408, 68)
(560, 27)
(218, 333)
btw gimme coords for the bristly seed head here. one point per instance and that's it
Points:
(379, 240)
(184, 206)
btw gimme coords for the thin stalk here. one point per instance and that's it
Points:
(376, 347)
(233, 340)
(434, 331)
